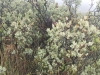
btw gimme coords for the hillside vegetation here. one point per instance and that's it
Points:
(39, 37)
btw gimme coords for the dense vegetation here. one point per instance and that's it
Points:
(39, 37)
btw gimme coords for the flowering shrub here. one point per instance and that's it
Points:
(17, 36)
(68, 47)
(27, 47)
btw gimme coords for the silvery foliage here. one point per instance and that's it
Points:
(19, 14)
(67, 41)
(2, 69)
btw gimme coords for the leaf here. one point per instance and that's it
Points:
(28, 51)
(18, 33)
(4, 69)
(73, 53)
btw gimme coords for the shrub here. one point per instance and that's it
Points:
(68, 48)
